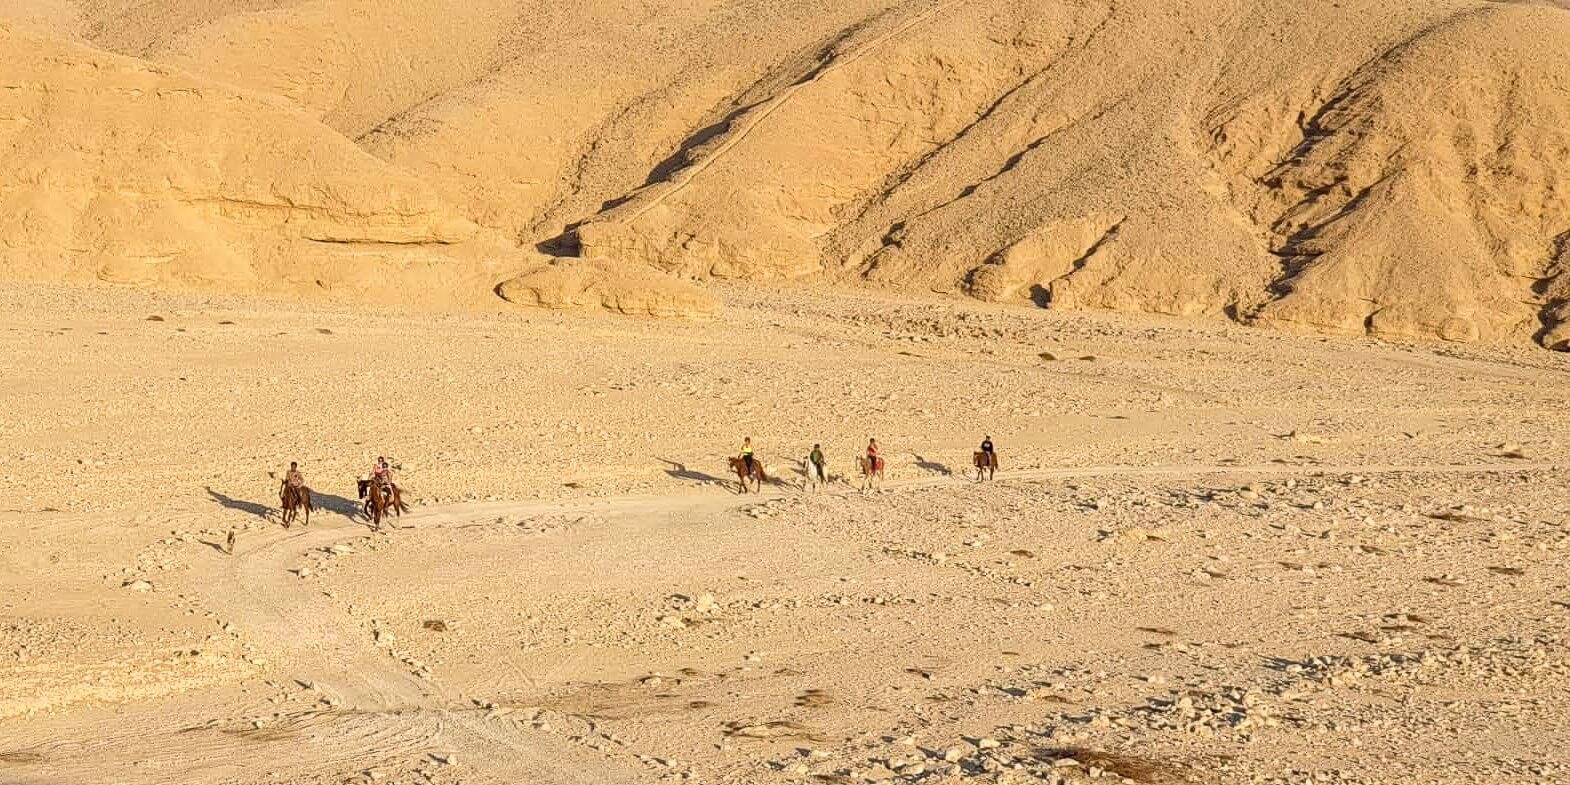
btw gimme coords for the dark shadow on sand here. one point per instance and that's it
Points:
(681, 472)
(230, 503)
(348, 508)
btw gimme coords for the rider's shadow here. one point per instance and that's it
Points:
(231, 503)
(348, 508)
(933, 466)
(681, 472)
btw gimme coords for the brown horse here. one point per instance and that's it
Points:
(870, 471)
(986, 464)
(755, 477)
(381, 499)
(293, 500)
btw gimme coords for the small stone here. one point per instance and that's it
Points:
(877, 773)
(444, 758)
(988, 744)
(138, 585)
(955, 754)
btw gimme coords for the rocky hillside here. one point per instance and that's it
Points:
(1392, 168)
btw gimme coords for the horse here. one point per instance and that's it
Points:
(986, 463)
(870, 471)
(756, 476)
(816, 476)
(293, 499)
(384, 498)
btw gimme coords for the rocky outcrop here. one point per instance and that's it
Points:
(595, 284)
(126, 172)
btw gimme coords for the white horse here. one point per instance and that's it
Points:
(815, 475)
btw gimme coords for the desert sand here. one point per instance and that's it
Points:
(1214, 554)
(1253, 298)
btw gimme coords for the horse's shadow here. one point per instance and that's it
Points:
(230, 503)
(348, 508)
(933, 466)
(326, 502)
(681, 472)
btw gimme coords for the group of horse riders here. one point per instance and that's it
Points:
(986, 459)
(294, 495)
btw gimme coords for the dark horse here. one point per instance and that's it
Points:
(381, 499)
(294, 499)
(986, 464)
(755, 477)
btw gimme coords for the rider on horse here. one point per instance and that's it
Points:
(294, 478)
(874, 463)
(986, 449)
(746, 453)
(380, 477)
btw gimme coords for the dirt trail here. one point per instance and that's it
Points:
(267, 599)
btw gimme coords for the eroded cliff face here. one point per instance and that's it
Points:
(1348, 172)
(128, 172)
(1368, 167)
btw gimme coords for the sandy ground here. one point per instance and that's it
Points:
(1213, 555)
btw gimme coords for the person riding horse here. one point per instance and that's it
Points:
(986, 460)
(294, 478)
(874, 462)
(746, 453)
(293, 496)
(380, 478)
